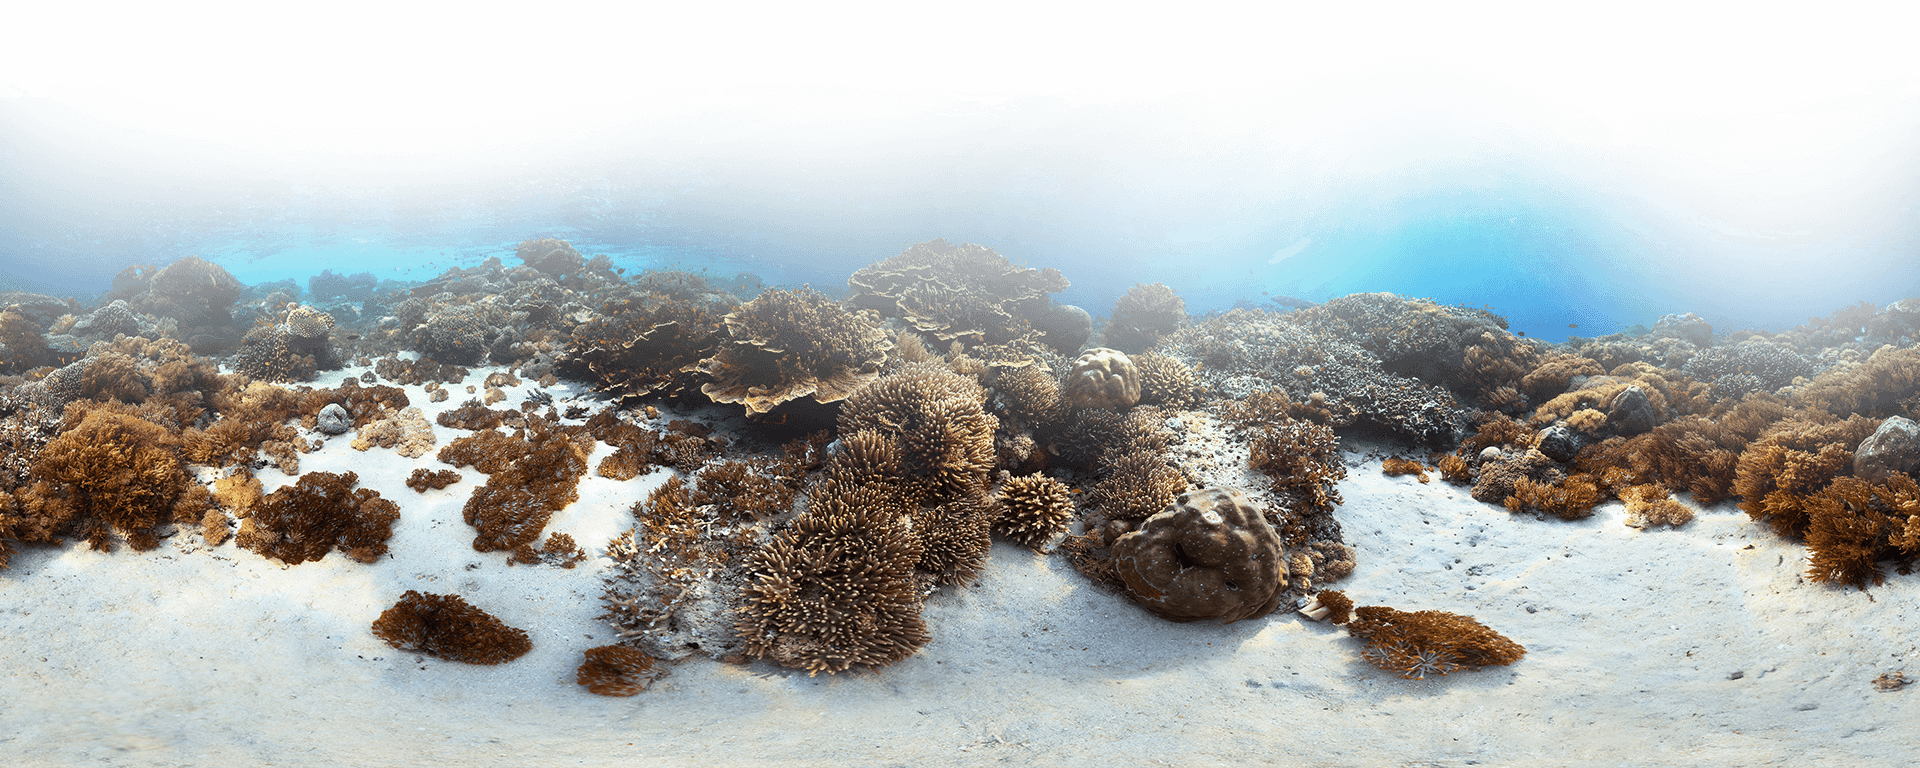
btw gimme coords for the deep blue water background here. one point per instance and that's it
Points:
(1223, 226)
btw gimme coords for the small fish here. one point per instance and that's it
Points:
(1573, 325)
(1521, 334)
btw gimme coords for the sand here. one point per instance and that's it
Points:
(1701, 645)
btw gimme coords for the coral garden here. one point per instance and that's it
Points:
(879, 441)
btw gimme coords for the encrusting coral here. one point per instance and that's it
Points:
(791, 344)
(448, 627)
(1211, 555)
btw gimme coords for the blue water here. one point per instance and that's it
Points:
(1555, 252)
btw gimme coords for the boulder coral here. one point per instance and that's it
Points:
(786, 345)
(1212, 555)
(1102, 378)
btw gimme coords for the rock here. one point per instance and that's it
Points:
(333, 420)
(1558, 443)
(1894, 447)
(1631, 412)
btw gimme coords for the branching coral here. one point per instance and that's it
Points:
(1302, 460)
(1650, 505)
(407, 432)
(448, 627)
(616, 670)
(937, 415)
(1166, 381)
(955, 536)
(424, 479)
(1037, 508)
(527, 482)
(1875, 388)
(1395, 466)
(1790, 463)
(304, 521)
(1572, 498)
(1854, 524)
(1135, 485)
(790, 344)
(1420, 643)
(1212, 555)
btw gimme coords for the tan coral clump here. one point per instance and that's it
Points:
(1212, 555)
(1420, 643)
(407, 432)
(616, 670)
(1102, 378)
(1037, 509)
(111, 471)
(786, 345)
(945, 433)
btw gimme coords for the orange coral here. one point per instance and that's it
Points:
(304, 521)
(1420, 643)
(111, 471)
(1394, 466)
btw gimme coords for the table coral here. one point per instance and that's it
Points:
(448, 627)
(1212, 555)
(963, 293)
(791, 344)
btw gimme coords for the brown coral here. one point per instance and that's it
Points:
(937, 415)
(791, 344)
(649, 344)
(1420, 643)
(1795, 459)
(424, 479)
(616, 670)
(448, 627)
(1854, 524)
(953, 292)
(110, 471)
(1147, 313)
(1211, 555)
(1166, 381)
(1037, 508)
(524, 486)
(954, 537)
(1135, 485)
(1650, 505)
(304, 521)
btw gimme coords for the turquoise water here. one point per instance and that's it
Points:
(1235, 168)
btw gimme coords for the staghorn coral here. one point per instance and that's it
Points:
(737, 493)
(1037, 509)
(1211, 555)
(1102, 378)
(1420, 643)
(1302, 461)
(323, 511)
(616, 670)
(945, 434)
(1164, 380)
(791, 344)
(448, 627)
(965, 293)
(1031, 396)
(835, 589)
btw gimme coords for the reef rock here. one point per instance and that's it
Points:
(333, 420)
(1894, 447)
(1632, 412)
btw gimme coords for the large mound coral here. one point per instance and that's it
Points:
(1212, 555)
(448, 627)
(323, 511)
(790, 344)
(1102, 378)
(1144, 315)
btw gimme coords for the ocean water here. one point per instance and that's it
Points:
(1239, 168)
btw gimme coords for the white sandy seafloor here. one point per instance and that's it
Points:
(1696, 646)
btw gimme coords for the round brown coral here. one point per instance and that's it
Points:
(112, 471)
(304, 521)
(1147, 313)
(616, 670)
(1038, 508)
(1211, 556)
(791, 344)
(1103, 378)
(938, 417)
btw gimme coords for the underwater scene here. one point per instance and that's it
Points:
(1388, 414)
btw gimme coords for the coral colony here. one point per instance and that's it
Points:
(885, 438)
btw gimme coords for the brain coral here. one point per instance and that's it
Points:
(791, 344)
(965, 292)
(1211, 555)
(1103, 378)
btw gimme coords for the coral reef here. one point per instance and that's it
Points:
(329, 285)
(1146, 313)
(945, 434)
(965, 293)
(1853, 524)
(1791, 462)
(790, 344)
(448, 627)
(527, 481)
(1165, 381)
(424, 479)
(108, 471)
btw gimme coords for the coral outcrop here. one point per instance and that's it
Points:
(109, 472)
(791, 344)
(945, 433)
(1147, 313)
(965, 293)
(1102, 378)
(1037, 509)
(1212, 555)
